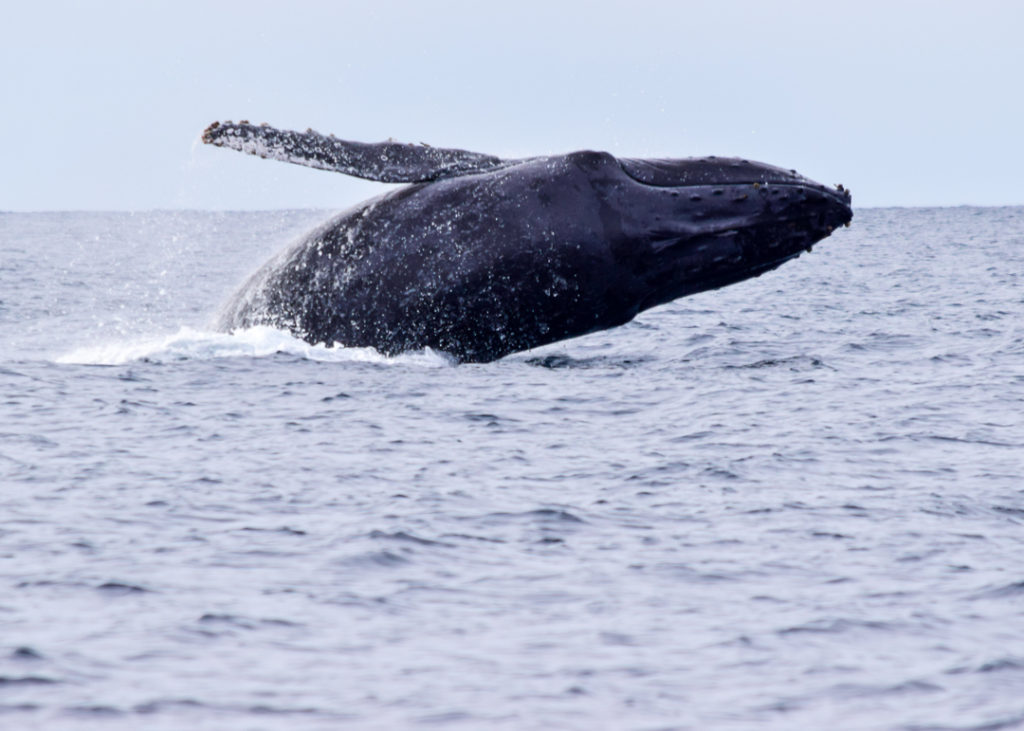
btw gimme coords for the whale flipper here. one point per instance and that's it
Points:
(387, 162)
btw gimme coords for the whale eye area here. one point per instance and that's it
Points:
(704, 171)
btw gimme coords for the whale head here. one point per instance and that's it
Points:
(695, 224)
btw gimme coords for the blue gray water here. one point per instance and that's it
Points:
(793, 503)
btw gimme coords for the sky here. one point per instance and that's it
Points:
(907, 103)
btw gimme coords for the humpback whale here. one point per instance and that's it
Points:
(479, 256)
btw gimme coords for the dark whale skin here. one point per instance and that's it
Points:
(525, 253)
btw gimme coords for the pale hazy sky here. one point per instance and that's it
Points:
(907, 103)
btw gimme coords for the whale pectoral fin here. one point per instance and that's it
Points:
(387, 162)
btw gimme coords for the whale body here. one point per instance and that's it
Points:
(480, 257)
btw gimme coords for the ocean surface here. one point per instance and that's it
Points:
(794, 503)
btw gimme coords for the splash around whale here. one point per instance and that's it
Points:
(480, 257)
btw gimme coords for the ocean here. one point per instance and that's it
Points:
(796, 502)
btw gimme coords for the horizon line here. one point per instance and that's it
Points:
(342, 208)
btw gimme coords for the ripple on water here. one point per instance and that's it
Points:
(791, 503)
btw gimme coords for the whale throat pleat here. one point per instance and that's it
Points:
(387, 162)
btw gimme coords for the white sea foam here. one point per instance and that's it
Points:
(255, 342)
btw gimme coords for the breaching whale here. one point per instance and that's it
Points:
(480, 257)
